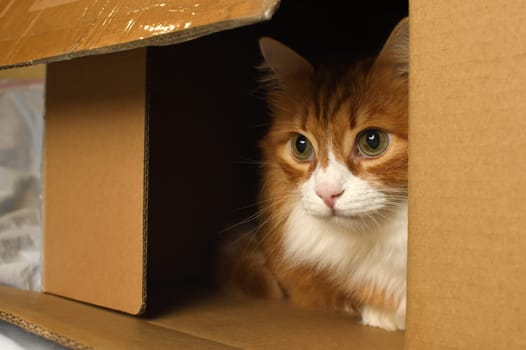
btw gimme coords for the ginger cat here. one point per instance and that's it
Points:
(332, 228)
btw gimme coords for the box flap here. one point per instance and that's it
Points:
(94, 177)
(193, 320)
(467, 242)
(79, 326)
(40, 31)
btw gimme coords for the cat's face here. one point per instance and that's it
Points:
(338, 140)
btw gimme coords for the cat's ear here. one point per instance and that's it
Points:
(395, 52)
(285, 64)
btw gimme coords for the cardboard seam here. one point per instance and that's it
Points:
(193, 335)
(42, 332)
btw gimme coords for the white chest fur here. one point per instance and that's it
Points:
(353, 254)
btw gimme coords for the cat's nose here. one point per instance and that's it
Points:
(329, 196)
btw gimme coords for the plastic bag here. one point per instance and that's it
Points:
(21, 136)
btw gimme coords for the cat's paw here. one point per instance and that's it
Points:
(390, 321)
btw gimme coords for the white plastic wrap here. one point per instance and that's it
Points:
(21, 133)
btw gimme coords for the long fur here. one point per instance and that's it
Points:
(348, 255)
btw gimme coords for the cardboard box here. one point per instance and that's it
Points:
(126, 131)
(36, 72)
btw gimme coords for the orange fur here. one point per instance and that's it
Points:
(242, 266)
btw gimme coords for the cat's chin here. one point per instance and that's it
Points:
(346, 220)
(331, 214)
(342, 219)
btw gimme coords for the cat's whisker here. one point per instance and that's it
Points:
(273, 203)
(237, 224)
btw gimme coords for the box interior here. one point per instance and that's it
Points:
(206, 113)
(190, 320)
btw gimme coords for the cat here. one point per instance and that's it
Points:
(332, 216)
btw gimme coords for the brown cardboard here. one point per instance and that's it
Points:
(197, 321)
(50, 30)
(257, 324)
(94, 246)
(466, 247)
(467, 264)
(80, 326)
(100, 150)
(36, 72)
(98, 211)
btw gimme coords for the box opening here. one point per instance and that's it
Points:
(206, 113)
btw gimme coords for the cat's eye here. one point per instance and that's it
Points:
(372, 142)
(301, 148)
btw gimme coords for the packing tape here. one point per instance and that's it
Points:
(39, 5)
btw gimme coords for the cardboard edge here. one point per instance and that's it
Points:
(42, 332)
(160, 40)
(146, 184)
(57, 319)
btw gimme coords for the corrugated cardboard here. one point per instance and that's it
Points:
(80, 326)
(97, 151)
(94, 180)
(31, 72)
(50, 30)
(467, 243)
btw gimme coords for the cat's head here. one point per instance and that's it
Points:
(338, 142)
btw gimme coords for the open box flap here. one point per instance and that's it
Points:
(204, 321)
(42, 31)
(94, 175)
(79, 326)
